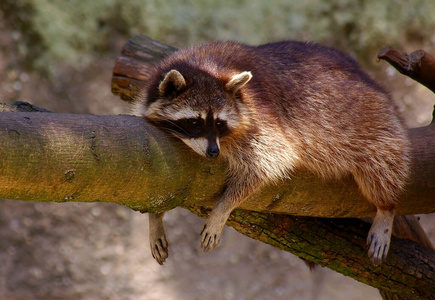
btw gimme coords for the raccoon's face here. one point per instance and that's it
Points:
(201, 112)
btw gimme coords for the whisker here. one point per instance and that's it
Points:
(169, 129)
(176, 125)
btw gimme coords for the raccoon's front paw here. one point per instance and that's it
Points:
(211, 235)
(378, 243)
(159, 248)
(157, 238)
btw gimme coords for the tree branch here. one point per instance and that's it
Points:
(132, 66)
(417, 65)
(61, 157)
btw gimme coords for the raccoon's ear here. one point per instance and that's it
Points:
(237, 81)
(172, 84)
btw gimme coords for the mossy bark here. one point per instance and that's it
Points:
(122, 159)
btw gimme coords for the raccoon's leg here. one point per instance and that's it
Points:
(157, 236)
(381, 190)
(378, 239)
(212, 231)
(236, 192)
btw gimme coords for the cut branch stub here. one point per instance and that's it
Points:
(417, 65)
(133, 65)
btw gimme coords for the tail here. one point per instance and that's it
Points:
(408, 227)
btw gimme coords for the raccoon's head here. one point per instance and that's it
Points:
(198, 108)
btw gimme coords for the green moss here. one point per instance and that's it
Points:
(63, 31)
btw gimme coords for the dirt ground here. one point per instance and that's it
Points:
(101, 251)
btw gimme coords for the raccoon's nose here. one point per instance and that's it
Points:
(212, 151)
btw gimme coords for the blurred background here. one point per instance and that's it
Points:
(59, 55)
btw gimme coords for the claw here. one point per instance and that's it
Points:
(210, 238)
(158, 243)
(378, 239)
(159, 250)
(214, 225)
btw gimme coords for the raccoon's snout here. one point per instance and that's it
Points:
(212, 151)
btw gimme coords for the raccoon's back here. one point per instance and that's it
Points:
(333, 113)
(302, 74)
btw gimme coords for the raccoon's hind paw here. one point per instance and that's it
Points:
(210, 236)
(378, 248)
(159, 249)
(378, 239)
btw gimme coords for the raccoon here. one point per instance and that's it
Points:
(272, 109)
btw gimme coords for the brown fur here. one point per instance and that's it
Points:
(305, 107)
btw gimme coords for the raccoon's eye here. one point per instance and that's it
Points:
(194, 126)
(194, 122)
(222, 127)
(220, 124)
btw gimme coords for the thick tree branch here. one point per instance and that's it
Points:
(121, 159)
(133, 65)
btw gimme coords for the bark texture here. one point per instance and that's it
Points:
(122, 159)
